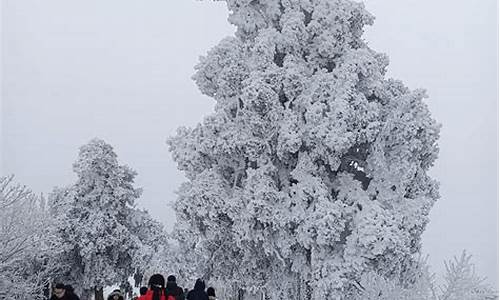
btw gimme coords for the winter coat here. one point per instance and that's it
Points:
(198, 293)
(174, 290)
(149, 296)
(72, 296)
(70, 292)
(65, 297)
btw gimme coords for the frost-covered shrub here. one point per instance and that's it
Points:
(27, 247)
(461, 283)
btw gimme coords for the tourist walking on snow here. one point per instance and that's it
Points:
(70, 292)
(173, 289)
(211, 293)
(137, 278)
(116, 295)
(156, 287)
(198, 293)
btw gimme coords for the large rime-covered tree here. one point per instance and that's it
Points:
(95, 217)
(312, 170)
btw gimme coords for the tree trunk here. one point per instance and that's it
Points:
(46, 290)
(308, 291)
(241, 293)
(99, 294)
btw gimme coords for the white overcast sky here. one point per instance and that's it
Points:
(120, 70)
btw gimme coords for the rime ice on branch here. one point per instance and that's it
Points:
(312, 170)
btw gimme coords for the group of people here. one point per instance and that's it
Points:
(157, 289)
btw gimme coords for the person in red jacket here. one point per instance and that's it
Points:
(156, 288)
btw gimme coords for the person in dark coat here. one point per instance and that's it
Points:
(137, 279)
(70, 292)
(172, 289)
(143, 290)
(198, 293)
(211, 293)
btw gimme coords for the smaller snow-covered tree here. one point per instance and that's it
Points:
(461, 283)
(165, 260)
(374, 286)
(98, 212)
(27, 246)
(153, 242)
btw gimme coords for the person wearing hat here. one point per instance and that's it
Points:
(198, 293)
(173, 289)
(116, 295)
(70, 292)
(211, 293)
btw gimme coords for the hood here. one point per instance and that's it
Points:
(117, 293)
(199, 285)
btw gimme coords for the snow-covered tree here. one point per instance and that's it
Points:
(70, 269)
(312, 170)
(96, 216)
(27, 246)
(167, 260)
(461, 283)
(373, 286)
(153, 245)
